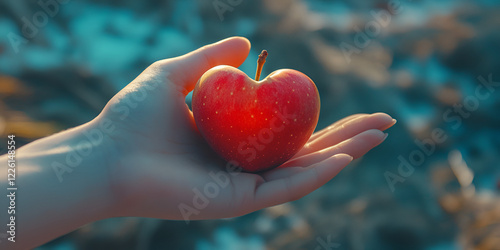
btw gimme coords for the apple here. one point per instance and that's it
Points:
(257, 125)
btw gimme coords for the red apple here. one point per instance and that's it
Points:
(256, 125)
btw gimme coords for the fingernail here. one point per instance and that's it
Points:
(386, 134)
(394, 121)
(348, 156)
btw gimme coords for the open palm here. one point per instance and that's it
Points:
(163, 168)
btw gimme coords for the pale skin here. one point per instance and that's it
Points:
(150, 158)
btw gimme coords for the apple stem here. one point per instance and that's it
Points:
(260, 64)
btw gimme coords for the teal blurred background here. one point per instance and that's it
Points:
(432, 65)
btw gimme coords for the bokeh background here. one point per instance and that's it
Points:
(422, 66)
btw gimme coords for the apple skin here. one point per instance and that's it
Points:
(255, 125)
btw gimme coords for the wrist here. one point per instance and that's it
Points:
(99, 159)
(76, 162)
(63, 180)
(113, 150)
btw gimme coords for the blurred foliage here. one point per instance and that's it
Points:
(418, 67)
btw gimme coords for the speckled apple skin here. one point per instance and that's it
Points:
(256, 125)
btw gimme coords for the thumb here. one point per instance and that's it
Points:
(184, 71)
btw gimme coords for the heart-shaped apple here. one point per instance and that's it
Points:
(254, 124)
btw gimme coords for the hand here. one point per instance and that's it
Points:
(143, 156)
(163, 168)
